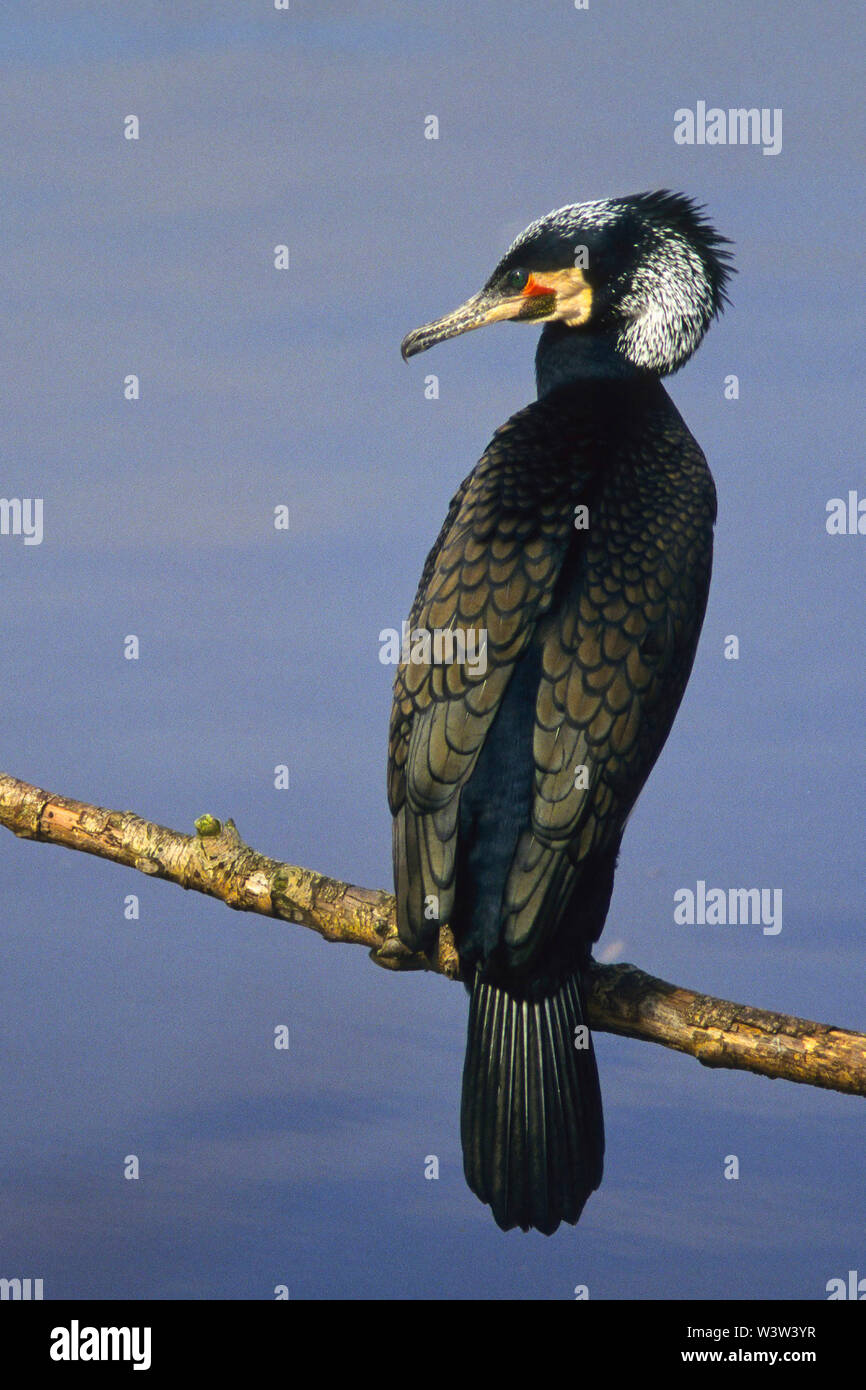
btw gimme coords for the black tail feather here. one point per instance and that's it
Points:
(531, 1119)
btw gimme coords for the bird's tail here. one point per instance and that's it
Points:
(531, 1119)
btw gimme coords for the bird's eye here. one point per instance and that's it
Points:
(516, 280)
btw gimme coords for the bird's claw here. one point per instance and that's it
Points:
(393, 955)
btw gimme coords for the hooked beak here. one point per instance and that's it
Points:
(484, 307)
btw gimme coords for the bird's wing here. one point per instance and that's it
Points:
(493, 568)
(616, 660)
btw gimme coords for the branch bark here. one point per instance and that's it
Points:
(620, 998)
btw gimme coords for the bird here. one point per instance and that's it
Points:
(577, 555)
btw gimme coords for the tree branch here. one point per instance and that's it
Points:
(620, 998)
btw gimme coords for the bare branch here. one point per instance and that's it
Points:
(620, 998)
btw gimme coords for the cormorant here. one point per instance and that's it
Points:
(581, 544)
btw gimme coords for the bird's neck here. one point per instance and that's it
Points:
(570, 355)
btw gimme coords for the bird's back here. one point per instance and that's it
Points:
(511, 790)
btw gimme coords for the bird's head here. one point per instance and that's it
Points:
(640, 278)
